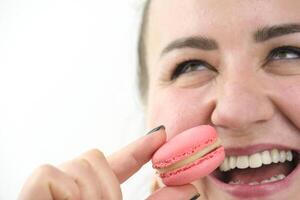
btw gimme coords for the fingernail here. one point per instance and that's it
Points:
(195, 197)
(156, 129)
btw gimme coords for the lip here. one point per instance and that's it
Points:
(236, 151)
(256, 191)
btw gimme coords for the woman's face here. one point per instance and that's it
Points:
(236, 66)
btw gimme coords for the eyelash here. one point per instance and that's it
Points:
(183, 66)
(284, 49)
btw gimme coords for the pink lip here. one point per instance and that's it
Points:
(256, 191)
(233, 151)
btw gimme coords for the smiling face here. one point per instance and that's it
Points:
(236, 66)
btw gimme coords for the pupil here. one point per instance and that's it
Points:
(191, 67)
(282, 54)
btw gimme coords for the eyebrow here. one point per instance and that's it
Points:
(261, 35)
(270, 32)
(196, 42)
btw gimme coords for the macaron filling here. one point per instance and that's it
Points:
(191, 158)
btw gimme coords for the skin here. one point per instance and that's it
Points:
(247, 99)
(92, 176)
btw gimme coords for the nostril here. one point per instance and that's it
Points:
(236, 118)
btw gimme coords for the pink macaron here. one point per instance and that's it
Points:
(188, 156)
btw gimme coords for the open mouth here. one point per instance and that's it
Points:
(258, 169)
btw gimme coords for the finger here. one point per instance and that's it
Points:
(109, 183)
(48, 182)
(85, 177)
(156, 183)
(131, 158)
(185, 192)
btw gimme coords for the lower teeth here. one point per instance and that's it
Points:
(270, 180)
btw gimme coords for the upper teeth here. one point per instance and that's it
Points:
(256, 160)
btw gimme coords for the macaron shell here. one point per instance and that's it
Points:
(176, 149)
(200, 168)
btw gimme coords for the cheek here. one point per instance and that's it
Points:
(288, 99)
(178, 110)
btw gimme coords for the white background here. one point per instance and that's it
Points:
(68, 84)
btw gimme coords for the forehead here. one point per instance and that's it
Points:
(225, 20)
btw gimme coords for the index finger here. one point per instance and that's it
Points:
(131, 158)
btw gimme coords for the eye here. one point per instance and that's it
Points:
(190, 66)
(285, 53)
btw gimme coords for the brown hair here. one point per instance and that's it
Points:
(143, 78)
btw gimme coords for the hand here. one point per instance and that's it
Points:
(91, 176)
(185, 192)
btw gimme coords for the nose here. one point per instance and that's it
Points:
(240, 103)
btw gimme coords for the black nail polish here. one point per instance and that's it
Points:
(195, 197)
(156, 129)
